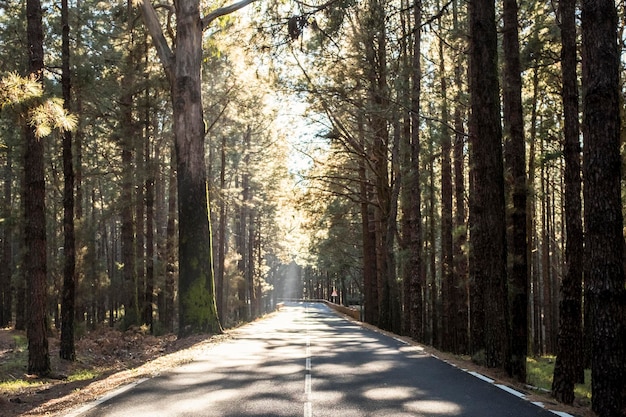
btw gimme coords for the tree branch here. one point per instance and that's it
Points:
(153, 25)
(223, 11)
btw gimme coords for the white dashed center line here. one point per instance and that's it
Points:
(308, 408)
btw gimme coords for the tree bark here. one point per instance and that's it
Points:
(487, 208)
(448, 301)
(221, 248)
(170, 249)
(67, 349)
(460, 287)
(127, 144)
(568, 366)
(605, 293)
(198, 312)
(515, 159)
(415, 264)
(6, 286)
(35, 212)
(150, 222)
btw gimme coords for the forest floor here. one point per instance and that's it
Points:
(108, 359)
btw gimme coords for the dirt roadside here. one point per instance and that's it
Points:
(113, 359)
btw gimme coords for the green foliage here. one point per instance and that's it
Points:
(83, 375)
(14, 362)
(541, 369)
(24, 95)
(199, 308)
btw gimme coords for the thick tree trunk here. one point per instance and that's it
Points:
(197, 310)
(67, 350)
(415, 264)
(487, 208)
(35, 212)
(604, 239)
(515, 159)
(568, 365)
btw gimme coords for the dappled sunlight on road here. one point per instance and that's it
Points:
(390, 393)
(433, 408)
(307, 361)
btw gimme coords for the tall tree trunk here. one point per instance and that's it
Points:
(127, 142)
(448, 301)
(221, 248)
(35, 211)
(460, 287)
(370, 287)
(515, 159)
(568, 365)
(198, 312)
(415, 264)
(606, 294)
(487, 208)
(433, 281)
(6, 254)
(150, 222)
(196, 288)
(170, 249)
(67, 350)
(376, 73)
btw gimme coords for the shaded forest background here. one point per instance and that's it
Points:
(380, 189)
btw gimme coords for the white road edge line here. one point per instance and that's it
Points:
(107, 397)
(510, 390)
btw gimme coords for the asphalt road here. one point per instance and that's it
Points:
(307, 361)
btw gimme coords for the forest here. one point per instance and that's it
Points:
(451, 169)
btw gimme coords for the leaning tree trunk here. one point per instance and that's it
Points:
(604, 238)
(35, 212)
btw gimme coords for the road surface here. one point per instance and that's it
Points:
(307, 361)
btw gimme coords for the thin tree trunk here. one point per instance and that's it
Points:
(460, 287)
(448, 278)
(170, 249)
(530, 219)
(370, 287)
(6, 286)
(35, 212)
(131, 304)
(67, 349)
(149, 187)
(221, 251)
